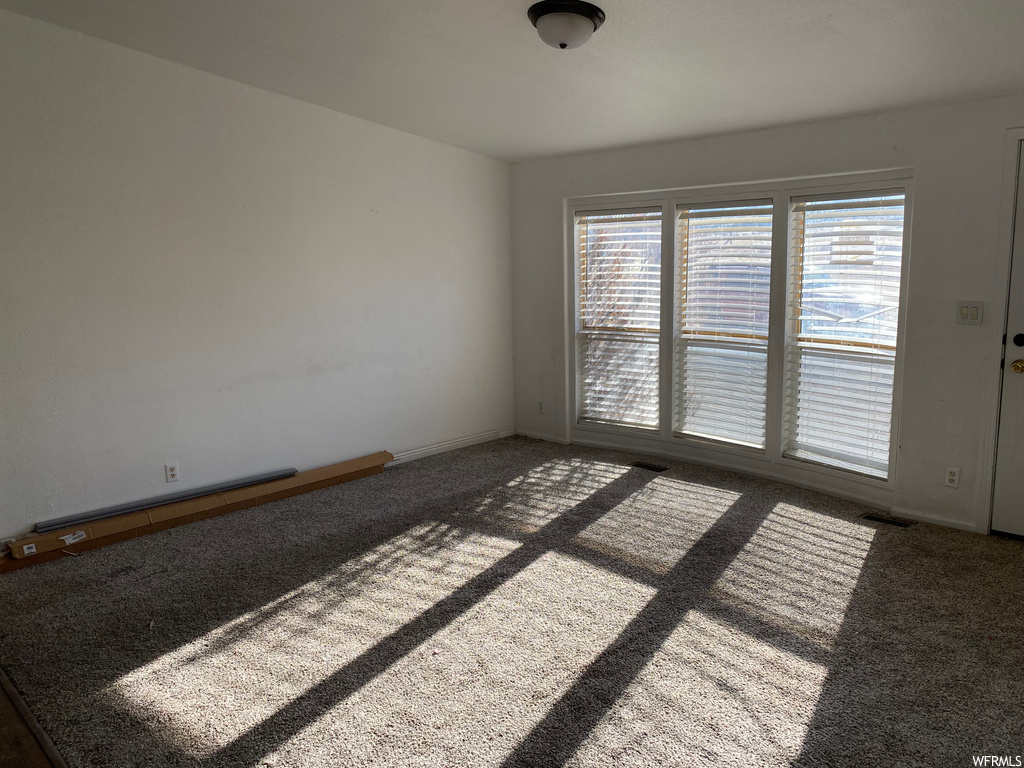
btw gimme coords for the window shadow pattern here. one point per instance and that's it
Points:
(763, 623)
(568, 724)
(256, 743)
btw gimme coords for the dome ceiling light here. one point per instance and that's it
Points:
(567, 24)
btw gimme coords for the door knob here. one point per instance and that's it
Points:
(1017, 366)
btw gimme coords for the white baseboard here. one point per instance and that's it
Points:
(450, 445)
(542, 436)
(924, 517)
(494, 434)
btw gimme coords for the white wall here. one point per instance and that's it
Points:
(951, 371)
(198, 271)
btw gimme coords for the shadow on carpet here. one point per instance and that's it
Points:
(520, 603)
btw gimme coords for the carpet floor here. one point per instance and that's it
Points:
(520, 603)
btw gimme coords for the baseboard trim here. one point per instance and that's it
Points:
(850, 492)
(450, 445)
(923, 517)
(542, 436)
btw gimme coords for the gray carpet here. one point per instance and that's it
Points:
(520, 603)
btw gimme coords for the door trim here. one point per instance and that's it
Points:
(1013, 156)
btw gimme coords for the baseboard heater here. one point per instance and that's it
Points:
(76, 533)
(157, 501)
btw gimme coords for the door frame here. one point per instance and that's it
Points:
(1013, 154)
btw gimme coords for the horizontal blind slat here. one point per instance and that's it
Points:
(843, 304)
(619, 256)
(618, 381)
(619, 306)
(723, 282)
(849, 272)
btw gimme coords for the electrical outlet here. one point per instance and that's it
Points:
(953, 477)
(171, 472)
(540, 406)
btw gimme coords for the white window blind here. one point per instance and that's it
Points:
(723, 280)
(843, 296)
(619, 306)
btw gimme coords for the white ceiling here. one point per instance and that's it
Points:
(474, 74)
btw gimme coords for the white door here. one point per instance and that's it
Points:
(1008, 505)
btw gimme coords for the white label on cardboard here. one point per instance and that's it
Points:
(28, 549)
(73, 538)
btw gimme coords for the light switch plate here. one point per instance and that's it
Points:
(970, 312)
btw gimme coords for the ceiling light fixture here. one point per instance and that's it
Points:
(566, 24)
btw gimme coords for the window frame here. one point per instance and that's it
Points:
(768, 461)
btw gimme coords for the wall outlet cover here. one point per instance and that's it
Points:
(970, 312)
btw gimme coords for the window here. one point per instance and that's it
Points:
(779, 343)
(619, 304)
(723, 273)
(844, 296)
